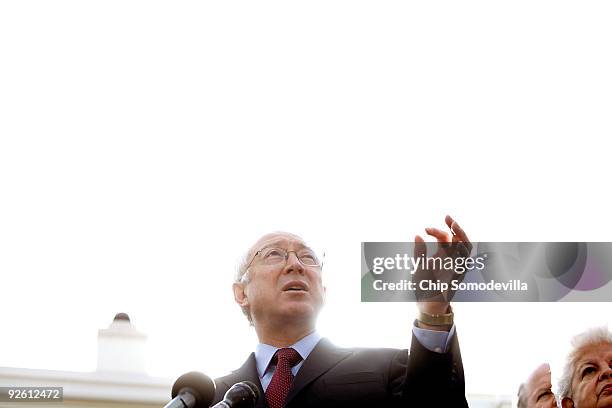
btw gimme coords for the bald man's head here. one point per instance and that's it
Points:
(536, 392)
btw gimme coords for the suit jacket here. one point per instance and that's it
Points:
(361, 377)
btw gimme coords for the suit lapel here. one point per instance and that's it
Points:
(248, 372)
(322, 358)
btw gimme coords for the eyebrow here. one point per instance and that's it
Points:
(584, 364)
(587, 363)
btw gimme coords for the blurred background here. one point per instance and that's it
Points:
(145, 145)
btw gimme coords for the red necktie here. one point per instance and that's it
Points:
(277, 390)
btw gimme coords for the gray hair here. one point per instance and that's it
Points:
(522, 398)
(241, 269)
(592, 337)
(241, 277)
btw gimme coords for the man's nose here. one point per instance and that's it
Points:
(293, 264)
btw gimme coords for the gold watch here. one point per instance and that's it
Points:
(445, 319)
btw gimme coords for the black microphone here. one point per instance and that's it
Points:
(192, 390)
(240, 395)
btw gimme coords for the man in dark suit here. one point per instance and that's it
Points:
(280, 290)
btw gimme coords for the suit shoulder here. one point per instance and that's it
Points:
(222, 384)
(372, 350)
(223, 378)
(370, 354)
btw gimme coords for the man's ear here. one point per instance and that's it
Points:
(567, 403)
(240, 295)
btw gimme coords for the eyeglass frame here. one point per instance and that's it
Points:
(286, 258)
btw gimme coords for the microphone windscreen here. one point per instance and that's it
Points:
(254, 389)
(198, 384)
(242, 395)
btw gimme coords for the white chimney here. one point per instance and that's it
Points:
(121, 348)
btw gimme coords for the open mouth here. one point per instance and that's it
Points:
(295, 286)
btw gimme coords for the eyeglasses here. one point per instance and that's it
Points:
(277, 256)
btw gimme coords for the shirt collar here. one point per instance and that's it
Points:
(265, 352)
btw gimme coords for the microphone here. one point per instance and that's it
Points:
(240, 395)
(192, 390)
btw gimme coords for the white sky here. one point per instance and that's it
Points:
(145, 145)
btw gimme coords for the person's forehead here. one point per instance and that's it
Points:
(595, 352)
(543, 381)
(281, 239)
(538, 388)
(539, 384)
(543, 371)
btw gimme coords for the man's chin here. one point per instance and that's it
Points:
(299, 310)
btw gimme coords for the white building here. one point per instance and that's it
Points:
(120, 379)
